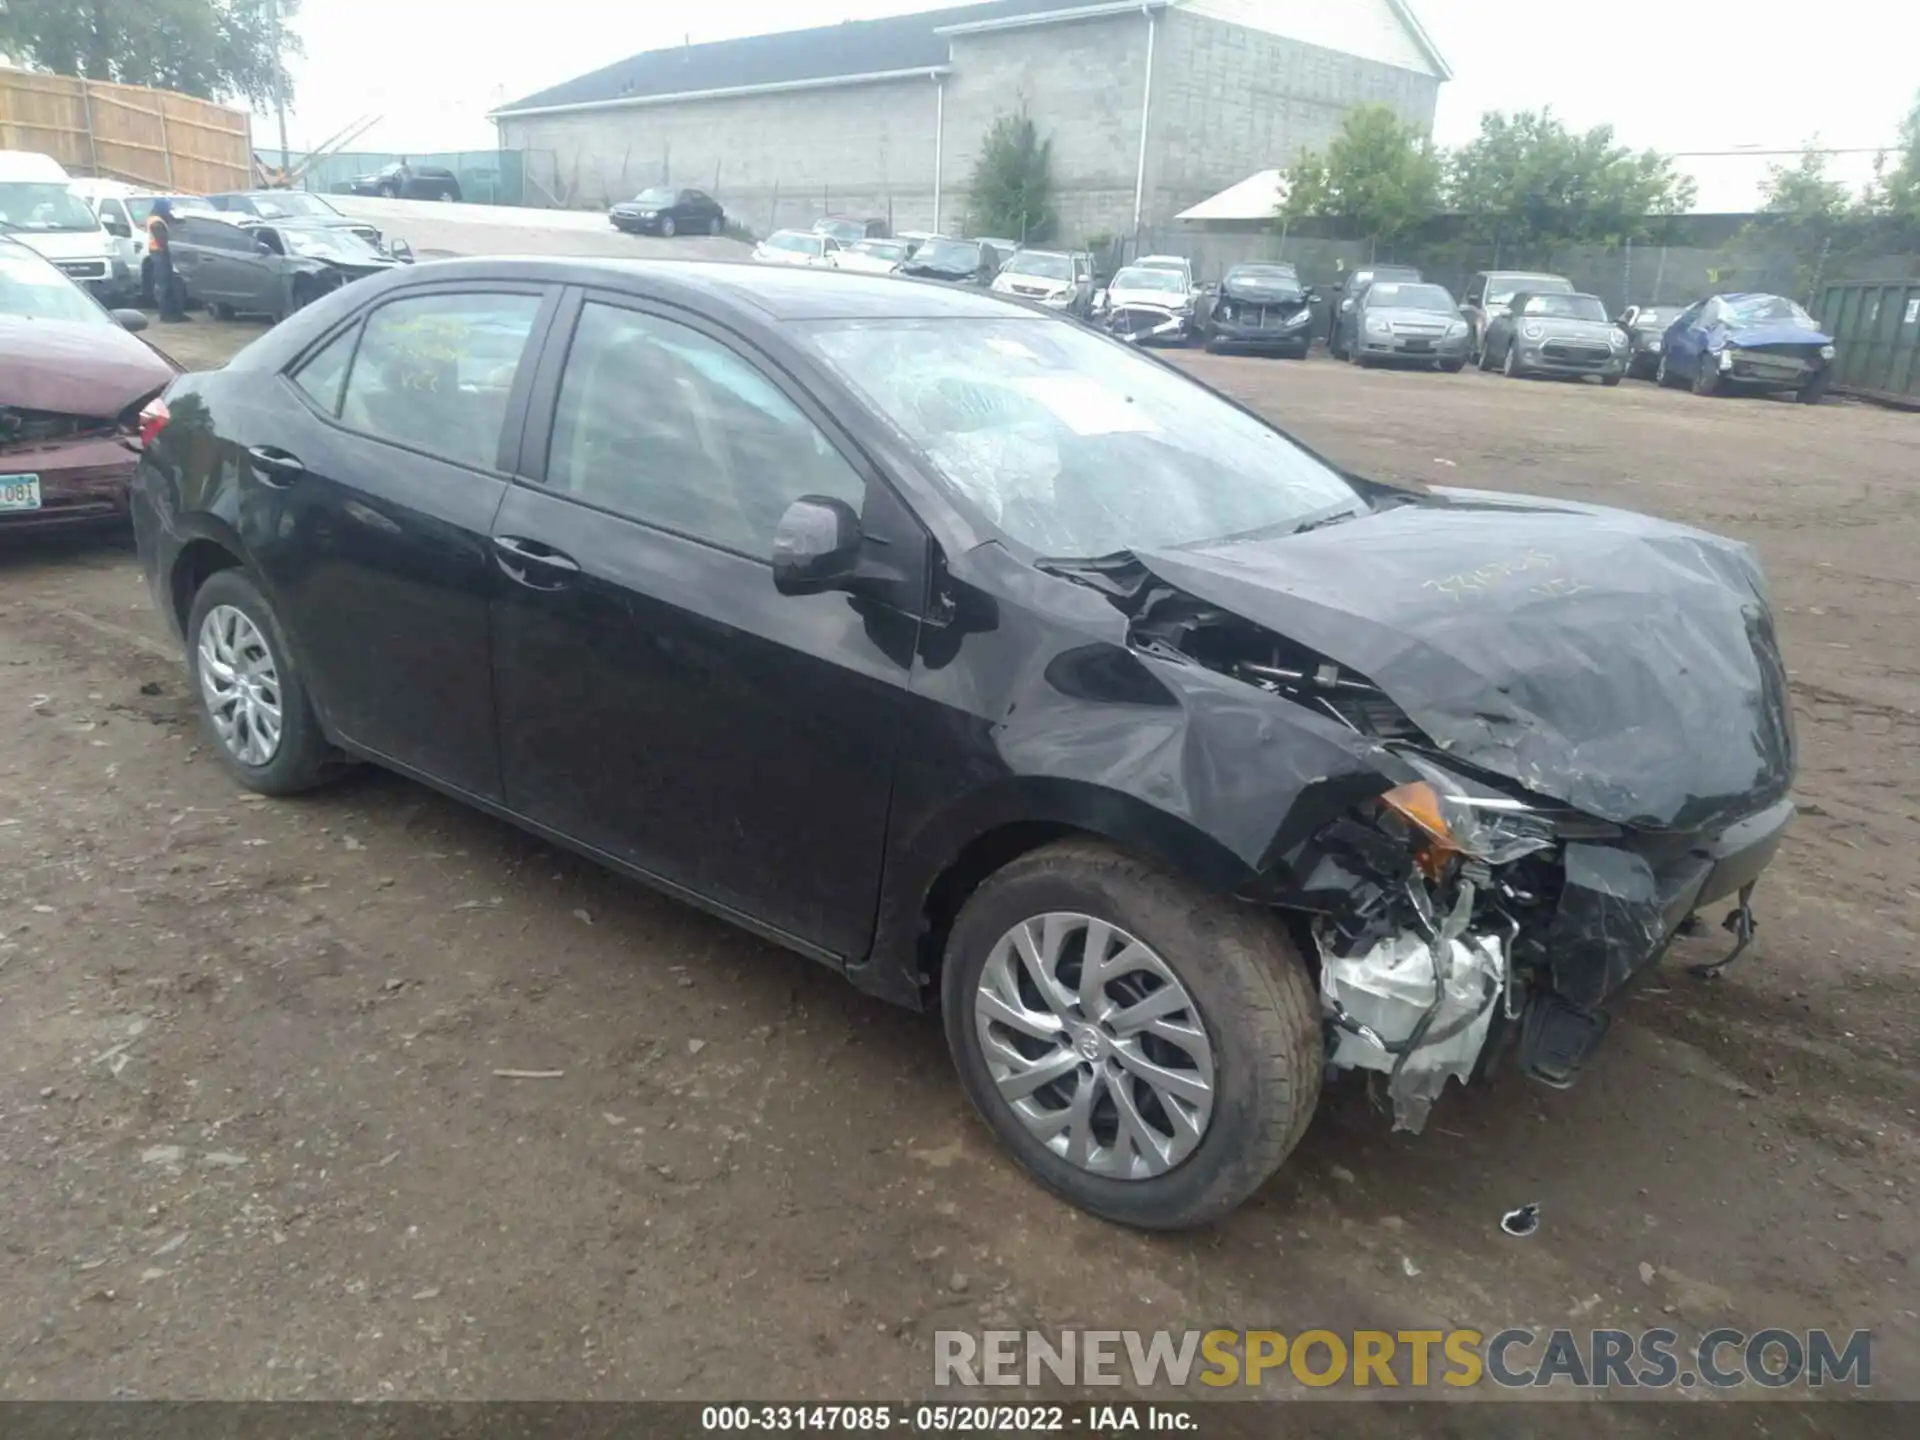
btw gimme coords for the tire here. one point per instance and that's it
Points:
(717, 226)
(389, 192)
(1453, 367)
(1660, 375)
(301, 757)
(1510, 364)
(667, 227)
(1250, 993)
(1610, 380)
(222, 311)
(1362, 359)
(1815, 392)
(446, 197)
(1706, 379)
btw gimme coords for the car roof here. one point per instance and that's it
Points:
(764, 292)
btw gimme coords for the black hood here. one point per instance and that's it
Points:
(940, 272)
(1262, 292)
(1617, 663)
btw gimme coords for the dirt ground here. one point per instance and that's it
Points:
(255, 1145)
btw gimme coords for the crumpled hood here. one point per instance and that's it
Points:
(1738, 336)
(73, 369)
(1167, 300)
(1620, 664)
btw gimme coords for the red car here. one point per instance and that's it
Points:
(73, 381)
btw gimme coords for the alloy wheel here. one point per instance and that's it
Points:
(1095, 1045)
(240, 686)
(666, 226)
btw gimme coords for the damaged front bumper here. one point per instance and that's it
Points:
(77, 481)
(1450, 947)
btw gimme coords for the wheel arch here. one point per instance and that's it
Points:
(209, 550)
(931, 873)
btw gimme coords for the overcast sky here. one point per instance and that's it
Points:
(1701, 76)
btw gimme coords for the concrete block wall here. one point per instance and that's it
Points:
(1229, 101)
(1081, 83)
(784, 158)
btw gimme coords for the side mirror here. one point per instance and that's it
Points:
(816, 547)
(131, 320)
(116, 227)
(1310, 295)
(401, 251)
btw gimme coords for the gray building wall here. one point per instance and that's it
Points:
(782, 158)
(1081, 82)
(1229, 101)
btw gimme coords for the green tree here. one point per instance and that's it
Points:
(1899, 187)
(216, 49)
(1533, 184)
(1804, 190)
(1012, 185)
(1380, 172)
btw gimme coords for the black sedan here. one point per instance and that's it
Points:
(665, 210)
(1260, 307)
(1644, 326)
(402, 181)
(1001, 668)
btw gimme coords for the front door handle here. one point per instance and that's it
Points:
(275, 467)
(532, 564)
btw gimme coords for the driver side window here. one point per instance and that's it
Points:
(663, 424)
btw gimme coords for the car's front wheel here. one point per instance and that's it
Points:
(666, 225)
(1706, 378)
(253, 702)
(1147, 1050)
(1510, 366)
(717, 226)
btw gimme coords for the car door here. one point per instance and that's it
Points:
(658, 699)
(126, 247)
(256, 272)
(377, 492)
(199, 248)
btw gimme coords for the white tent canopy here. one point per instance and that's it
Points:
(1257, 197)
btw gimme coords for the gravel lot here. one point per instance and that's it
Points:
(255, 1145)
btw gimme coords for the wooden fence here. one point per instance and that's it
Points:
(154, 138)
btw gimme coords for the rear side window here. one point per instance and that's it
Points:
(325, 371)
(435, 372)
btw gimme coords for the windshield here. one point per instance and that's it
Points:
(793, 240)
(1284, 275)
(331, 245)
(1073, 446)
(1502, 288)
(43, 205)
(34, 290)
(1767, 310)
(1406, 295)
(654, 195)
(1661, 315)
(883, 249)
(284, 203)
(1040, 265)
(1140, 277)
(845, 231)
(948, 255)
(1567, 307)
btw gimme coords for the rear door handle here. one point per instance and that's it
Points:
(275, 467)
(532, 564)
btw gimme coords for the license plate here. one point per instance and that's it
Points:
(1419, 345)
(19, 492)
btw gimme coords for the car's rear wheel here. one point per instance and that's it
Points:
(666, 225)
(253, 703)
(1147, 1050)
(445, 195)
(1706, 377)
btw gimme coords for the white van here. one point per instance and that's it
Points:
(123, 211)
(38, 210)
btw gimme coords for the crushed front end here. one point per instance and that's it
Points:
(1457, 924)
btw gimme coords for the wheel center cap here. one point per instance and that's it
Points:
(1089, 1043)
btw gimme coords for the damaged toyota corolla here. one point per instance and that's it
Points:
(1000, 666)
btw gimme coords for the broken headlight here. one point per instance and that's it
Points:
(1463, 817)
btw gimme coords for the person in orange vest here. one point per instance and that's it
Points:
(166, 284)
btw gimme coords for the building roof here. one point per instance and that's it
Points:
(893, 47)
(1257, 197)
(793, 58)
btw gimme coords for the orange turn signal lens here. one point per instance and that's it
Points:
(1420, 803)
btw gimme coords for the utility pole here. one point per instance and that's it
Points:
(279, 81)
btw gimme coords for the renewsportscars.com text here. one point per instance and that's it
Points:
(1721, 1359)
